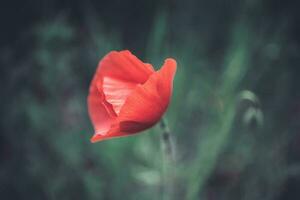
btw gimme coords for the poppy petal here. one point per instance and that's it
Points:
(165, 80)
(121, 72)
(125, 66)
(99, 137)
(116, 92)
(146, 104)
(100, 118)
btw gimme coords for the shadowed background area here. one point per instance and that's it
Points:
(234, 116)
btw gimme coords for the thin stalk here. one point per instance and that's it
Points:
(168, 161)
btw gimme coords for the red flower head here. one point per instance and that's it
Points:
(128, 96)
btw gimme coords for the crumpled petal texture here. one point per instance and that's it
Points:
(127, 96)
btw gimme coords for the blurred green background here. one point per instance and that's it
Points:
(234, 114)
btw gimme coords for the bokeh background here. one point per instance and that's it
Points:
(234, 116)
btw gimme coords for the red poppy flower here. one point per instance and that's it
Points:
(127, 96)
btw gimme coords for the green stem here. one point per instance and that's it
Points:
(167, 141)
(168, 159)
